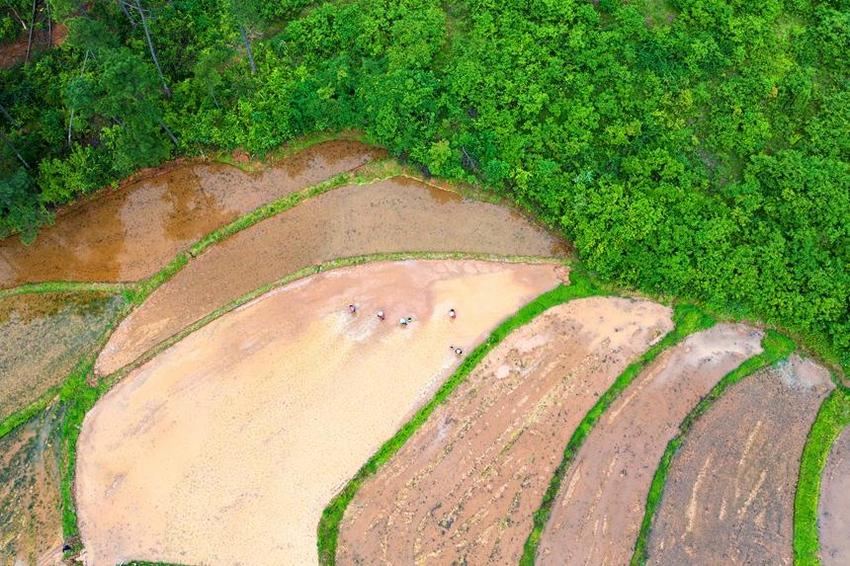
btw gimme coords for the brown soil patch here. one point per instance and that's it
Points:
(14, 53)
(130, 233)
(43, 337)
(729, 497)
(597, 515)
(397, 215)
(30, 517)
(464, 488)
(834, 512)
(226, 447)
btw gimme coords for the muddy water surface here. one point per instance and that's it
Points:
(729, 497)
(30, 517)
(463, 489)
(397, 215)
(225, 448)
(129, 233)
(598, 511)
(42, 336)
(834, 514)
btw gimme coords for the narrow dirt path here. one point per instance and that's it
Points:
(597, 515)
(729, 497)
(834, 513)
(464, 487)
(397, 215)
(130, 233)
(226, 447)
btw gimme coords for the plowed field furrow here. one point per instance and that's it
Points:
(225, 448)
(130, 233)
(598, 513)
(397, 215)
(463, 488)
(834, 512)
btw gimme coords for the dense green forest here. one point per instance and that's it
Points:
(698, 148)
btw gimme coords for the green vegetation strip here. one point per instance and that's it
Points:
(64, 287)
(775, 348)
(831, 419)
(328, 530)
(688, 319)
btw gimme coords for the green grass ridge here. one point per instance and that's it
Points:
(832, 418)
(687, 319)
(328, 529)
(775, 347)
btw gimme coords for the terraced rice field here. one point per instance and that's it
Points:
(736, 473)
(596, 517)
(463, 489)
(257, 419)
(396, 215)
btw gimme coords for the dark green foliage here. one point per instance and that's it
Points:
(698, 148)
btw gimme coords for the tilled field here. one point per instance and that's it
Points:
(42, 337)
(397, 215)
(729, 497)
(834, 513)
(463, 488)
(128, 234)
(598, 512)
(226, 447)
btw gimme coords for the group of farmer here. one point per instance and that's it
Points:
(405, 321)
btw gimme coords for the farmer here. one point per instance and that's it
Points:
(381, 316)
(452, 314)
(457, 350)
(402, 321)
(352, 309)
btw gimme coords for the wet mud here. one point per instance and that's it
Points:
(130, 233)
(396, 215)
(597, 514)
(43, 336)
(834, 512)
(729, 497)
(226, 447)
(463, 489)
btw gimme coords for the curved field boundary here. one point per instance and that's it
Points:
(328, 528)
(775, 348)
(833, 416)
(65, 287)
(687, 319)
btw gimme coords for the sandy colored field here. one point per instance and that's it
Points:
(226, 447)
(464, 488)
(729, 497)
(30, 518)
(834, 512)
(397, 215)
(130, 233)
(41, 339)
(597, 515)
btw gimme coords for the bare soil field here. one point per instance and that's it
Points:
(397, 215)
(227, 446)
(598, 513)
(41, 339)
(463, 489)
(130, 233)
(30, 518)
(729, 497)
(834, 512)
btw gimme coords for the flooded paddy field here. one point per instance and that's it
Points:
(226, 447)
(834, 512)
(130, 233)
(463, 489)
(729, 497)
(396, 215)
(43, 338)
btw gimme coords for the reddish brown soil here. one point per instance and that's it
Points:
(834, 513)
(14, 53)
(225, 448)
(729, 497)
(390, 216)
(41, 339)
(30, 518)
(464, 488)
(128, 234)
(597, 514)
